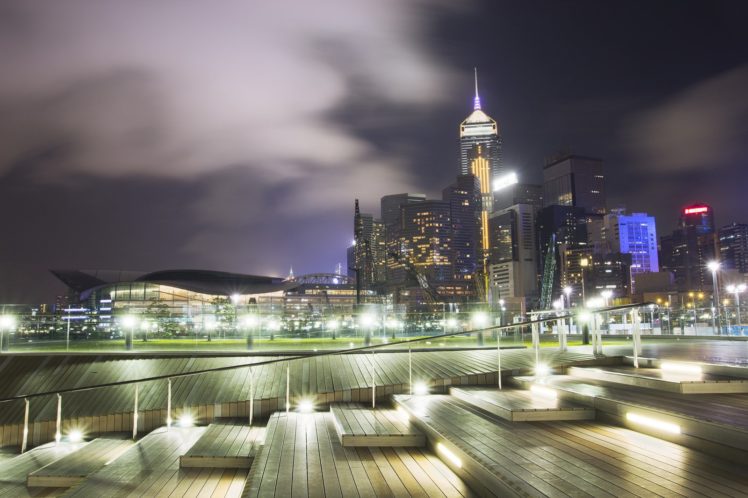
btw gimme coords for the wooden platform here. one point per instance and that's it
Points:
(520, 405)
(331, 379)
(227, 444)
(654, 378)
(584, 459)
(14, 471)
(151, 468)
(302, 456)
(358, 425)
(73, 468)
(714, 423)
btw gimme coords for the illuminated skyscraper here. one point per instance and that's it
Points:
(480, 156)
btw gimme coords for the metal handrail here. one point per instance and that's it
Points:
(557, 315)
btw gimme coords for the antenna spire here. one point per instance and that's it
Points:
(476, 100)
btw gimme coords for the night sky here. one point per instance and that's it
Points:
(235, 135)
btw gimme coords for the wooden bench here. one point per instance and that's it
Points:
(520, 405)
(360, 426)
(654, 378)
(225, 444)
(73, 468)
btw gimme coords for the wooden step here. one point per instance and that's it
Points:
(151, 468)
(14, 471)
(520, 405)
(357, 425)
(566, 458)
(655, 378)
(303, 456)
(225, 444)
(73, 468)
(714, 423)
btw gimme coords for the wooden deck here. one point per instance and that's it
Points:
(151, 468)
(15, 471)
(73, 468)
(581, 459)
(358, 425)
(303, 457)
(344, 378)
(227, 444)
(715, 423)
(519, 405)
(654, 378)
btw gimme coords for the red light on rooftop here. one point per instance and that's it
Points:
(696, 210)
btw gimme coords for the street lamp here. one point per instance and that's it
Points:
(606, 295)
(714, 267)
(584, 263)
(129, 322)
(7, 323)
(567, 293)
(737, 289)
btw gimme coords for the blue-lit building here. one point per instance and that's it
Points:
(634, 234)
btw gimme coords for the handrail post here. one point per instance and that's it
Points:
(168, 406)
(25, 440)
(373, 382)
(251, 395)
(536, 342)
(410, 369)
(135, 415)
(58, 433)
(288, 388)
(498, 354)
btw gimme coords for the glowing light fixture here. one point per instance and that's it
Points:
(75, 436)
(449, 455)
(480, 319)
(543, 392)
(306, 406)
(7, 322)
(420, 388)
(186, 420)
(250, 320)
(129, 321)
(542, 370)
(681, 368)
(505, 181)
(653, 423)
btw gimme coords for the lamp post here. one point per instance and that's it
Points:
(129, 322)
(714, 267)
(584, 263)
(737, 289)
(7, 322)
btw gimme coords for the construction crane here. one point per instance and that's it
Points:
(549, 275)
(431, 293)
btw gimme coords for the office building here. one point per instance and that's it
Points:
(634, 234)
(573, 180)
(686, 252)
(426, 239)
(480, 156)
(464, 201)
(733, 247)
(513, 256)
(392, 220)
(519, 193)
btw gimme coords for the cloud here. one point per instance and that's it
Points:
(185, 90)
(703, 127)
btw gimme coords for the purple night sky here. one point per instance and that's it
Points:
(234, 135)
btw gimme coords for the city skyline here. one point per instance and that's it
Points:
(79, 196)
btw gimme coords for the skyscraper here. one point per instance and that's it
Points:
(464, 201)
(426, 239)
(573, 180)
(513, 264)
(392, 219)
(733, 247)
(480, 156)
(687, 250)
(634, 234)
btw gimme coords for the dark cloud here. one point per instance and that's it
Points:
(235, 135)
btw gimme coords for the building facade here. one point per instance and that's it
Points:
(634, 234)
(574, 180)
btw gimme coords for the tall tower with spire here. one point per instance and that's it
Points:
(480, 155)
